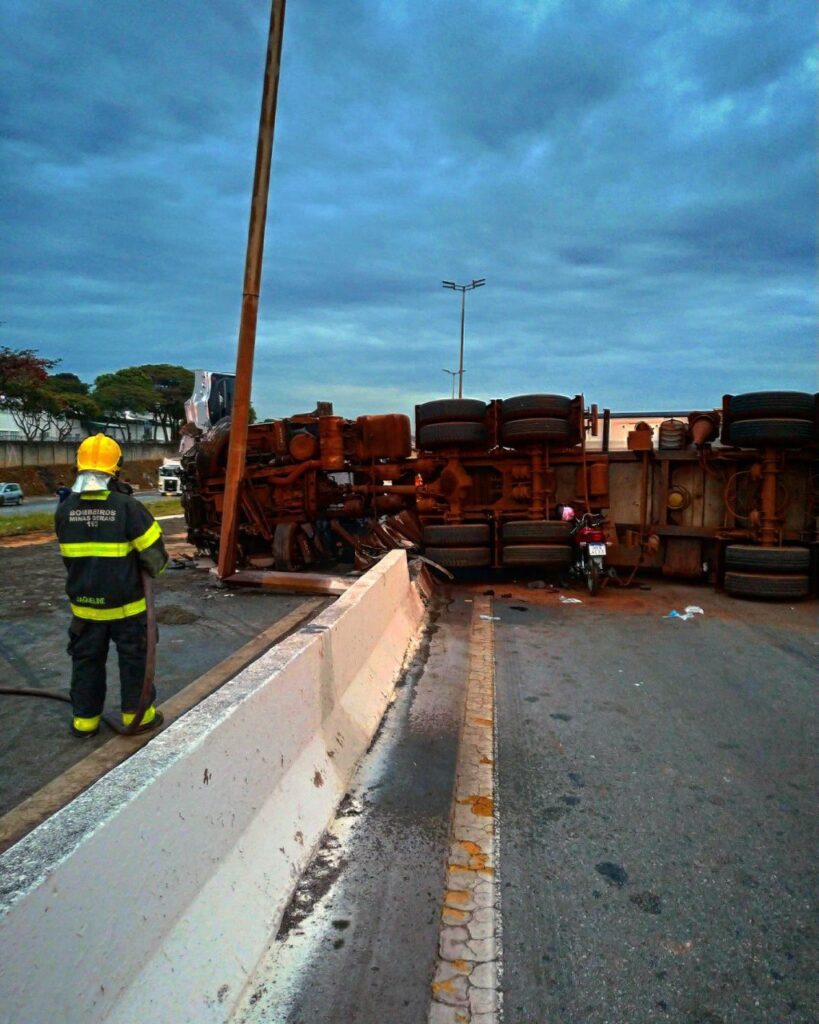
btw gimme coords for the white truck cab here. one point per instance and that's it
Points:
(169, 478)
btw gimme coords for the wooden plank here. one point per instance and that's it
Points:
(289, 582)
(75, 780)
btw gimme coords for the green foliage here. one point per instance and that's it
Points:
(39, 400)
(164, 507)
(65, 398)
(30, 522)
(127, 390)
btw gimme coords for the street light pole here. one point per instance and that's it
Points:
(453, 374)
(463, 289)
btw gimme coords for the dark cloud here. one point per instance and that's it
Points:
(634, 179)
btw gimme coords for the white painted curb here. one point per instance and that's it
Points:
(152, 896)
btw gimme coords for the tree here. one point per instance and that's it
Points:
(128, 390)
(67, 400)
(172, 385)
(21, 369)
(22, 378)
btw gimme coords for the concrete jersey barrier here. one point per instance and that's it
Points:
(153, 895)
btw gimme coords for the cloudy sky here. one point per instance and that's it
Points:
(633, 178)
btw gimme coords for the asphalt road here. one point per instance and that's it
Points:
(46, 504)
(656, 812)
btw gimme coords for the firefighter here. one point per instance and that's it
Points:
(106, 538)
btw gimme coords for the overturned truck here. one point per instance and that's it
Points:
(729, 494)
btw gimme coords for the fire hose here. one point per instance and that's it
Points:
(145, 696)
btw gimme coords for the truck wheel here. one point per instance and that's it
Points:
(782, 433)
(462, 533)
(446, 435)
(524, 407)
(797, 405)
(459, 558)
(750, 557)
(530, 431)
(451, 410)
(749, 584)
(551, 556)
(538, 530)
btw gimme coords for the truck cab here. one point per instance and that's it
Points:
(169, 477)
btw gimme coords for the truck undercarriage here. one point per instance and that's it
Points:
(483, 484)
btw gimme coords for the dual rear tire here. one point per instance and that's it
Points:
(539, 542)
(543, 543)
(536, 419)
(458, 546)
(768, 573)
(525, 419)
(451, 422)
(775, 419)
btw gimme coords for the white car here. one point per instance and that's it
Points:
(10, 494)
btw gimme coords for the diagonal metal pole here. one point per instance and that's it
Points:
(250, 297)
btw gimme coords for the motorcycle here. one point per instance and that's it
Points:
(590, 549)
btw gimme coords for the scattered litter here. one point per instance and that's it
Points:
(491, 618)
(638, 684)
(536, 585)
(489, 593)
(570, 600)
(518, 607)
(467, 600)
(689, 613)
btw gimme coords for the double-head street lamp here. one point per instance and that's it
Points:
(463, 289)
(453, 374)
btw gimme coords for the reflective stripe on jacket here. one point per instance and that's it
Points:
(105, 539)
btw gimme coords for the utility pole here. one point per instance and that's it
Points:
(237, 451)
(463, 289)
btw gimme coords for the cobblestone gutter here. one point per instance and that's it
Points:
(466, 985)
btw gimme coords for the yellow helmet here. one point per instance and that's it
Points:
(100, 453)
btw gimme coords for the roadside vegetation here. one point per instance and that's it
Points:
(43, 522)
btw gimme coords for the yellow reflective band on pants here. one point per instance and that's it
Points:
(88, 724)
(147, 718)
(94, 549)
(109, 614)
(151, 535)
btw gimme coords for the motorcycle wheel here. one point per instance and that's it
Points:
(592, 576)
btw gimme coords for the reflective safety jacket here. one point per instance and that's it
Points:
(105, 538)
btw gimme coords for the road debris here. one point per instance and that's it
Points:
(689, 613)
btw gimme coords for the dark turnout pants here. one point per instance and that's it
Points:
(88, 646)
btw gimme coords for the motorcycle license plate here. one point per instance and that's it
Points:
(597, 549)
